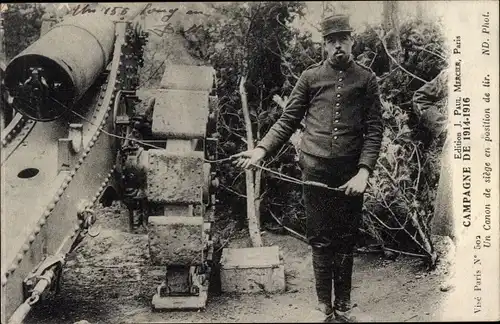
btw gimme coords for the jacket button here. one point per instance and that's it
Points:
(339, 87)
(336, 120)
(337, 104)
(336, 113)
(335, 129)
(338, 95)
(335, 137)
(340, 79)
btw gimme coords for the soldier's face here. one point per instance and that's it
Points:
(339, 47)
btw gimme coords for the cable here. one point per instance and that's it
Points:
(298, 181)
(281, 176)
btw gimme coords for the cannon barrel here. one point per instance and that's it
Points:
(49, 76)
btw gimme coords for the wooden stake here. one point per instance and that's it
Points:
(253, 223)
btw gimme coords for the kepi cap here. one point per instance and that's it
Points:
(335, 24)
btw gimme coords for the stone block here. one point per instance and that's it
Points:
(188, 77)
(176, 240)
(175, 178)
(180, 114)
(252, 270)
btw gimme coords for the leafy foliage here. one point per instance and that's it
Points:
(403, 187)
(256, 38)
(22, 23)
(252, 39)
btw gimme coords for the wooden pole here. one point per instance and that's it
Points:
(253, 222)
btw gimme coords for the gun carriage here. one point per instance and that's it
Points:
(84, 133)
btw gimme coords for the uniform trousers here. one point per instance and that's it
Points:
(332, 220)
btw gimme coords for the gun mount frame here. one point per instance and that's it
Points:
(55, 172)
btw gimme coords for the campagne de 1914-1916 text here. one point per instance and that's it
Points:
(463, 149)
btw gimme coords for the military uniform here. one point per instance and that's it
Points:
(343, 117)
(343, 132)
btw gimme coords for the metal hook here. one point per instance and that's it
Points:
(94, 231)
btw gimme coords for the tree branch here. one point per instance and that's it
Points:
(395, 61)
(253, 222)
(233, 191)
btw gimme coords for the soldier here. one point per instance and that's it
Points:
(339, 147)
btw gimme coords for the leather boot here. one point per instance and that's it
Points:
(342, 280)
(352, 315)
(343, 310)
(322, 266)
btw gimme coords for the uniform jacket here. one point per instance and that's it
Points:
(342, 112)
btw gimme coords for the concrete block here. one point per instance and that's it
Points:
(252, 270)
(188, 77)
(175, 178)
(180, 114)
(176, 240)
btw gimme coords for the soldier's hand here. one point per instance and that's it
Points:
(247, 158)
(357, 184)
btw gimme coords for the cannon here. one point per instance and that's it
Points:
(57, 70)
(84, 134)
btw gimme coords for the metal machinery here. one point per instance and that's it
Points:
(82, 132)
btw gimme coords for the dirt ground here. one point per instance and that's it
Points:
(107, 280)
